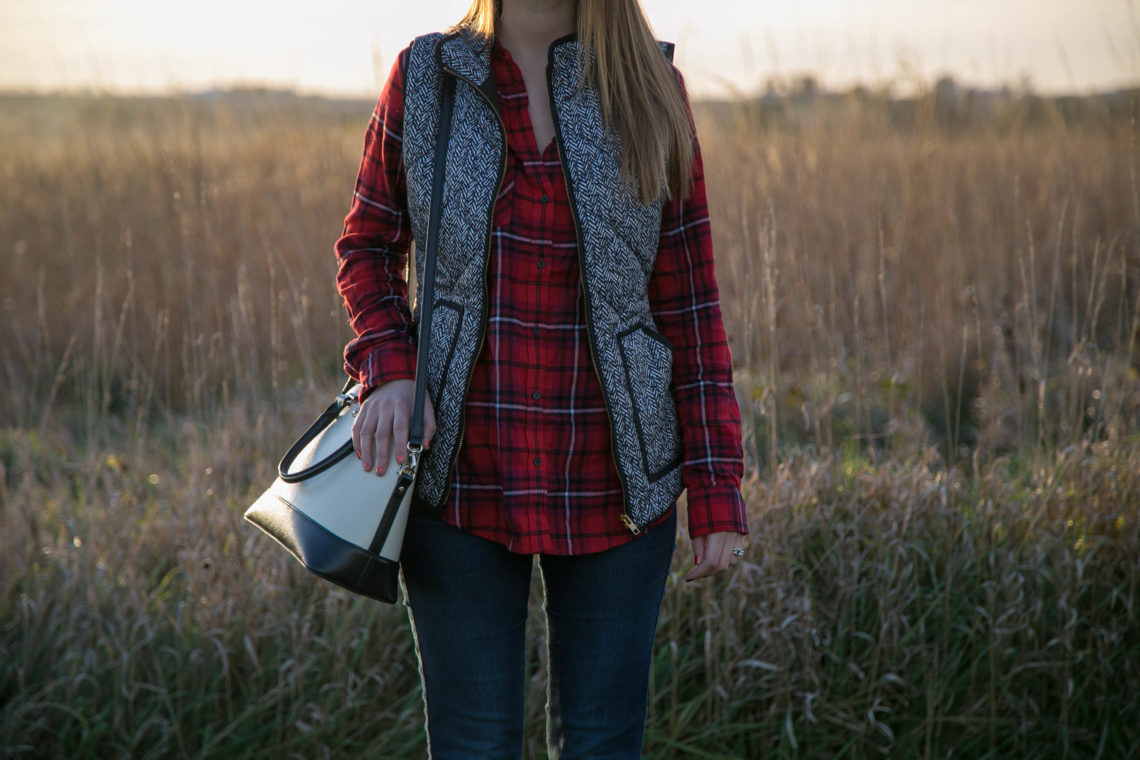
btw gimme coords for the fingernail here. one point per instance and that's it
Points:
(399, 459)
(699, 558)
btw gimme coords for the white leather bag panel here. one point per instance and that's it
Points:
(344, 499)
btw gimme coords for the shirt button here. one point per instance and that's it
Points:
(536, 395)
(544, 198)
(537, 461)
(536, 329)
(542, 263)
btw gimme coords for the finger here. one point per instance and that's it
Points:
(700, 544)
(429, 423)
(732, 541)
(699, 549)
(703, 570)
(720, 552)
(356, 423)
(400, 425)
(363, 427)
(382, 437)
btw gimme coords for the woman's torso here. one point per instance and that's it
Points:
(535, 471)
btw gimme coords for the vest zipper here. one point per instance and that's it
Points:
(626, 520)
(486, 294)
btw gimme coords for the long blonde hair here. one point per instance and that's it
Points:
(640, 97)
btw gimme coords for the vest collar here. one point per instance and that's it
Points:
(469, 58)
(465, 57)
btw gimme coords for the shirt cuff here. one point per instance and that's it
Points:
(715, 510)
(386, 363)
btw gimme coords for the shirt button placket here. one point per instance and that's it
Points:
(545, 214)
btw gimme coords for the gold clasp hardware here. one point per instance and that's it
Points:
(413, 462)
(628, 522)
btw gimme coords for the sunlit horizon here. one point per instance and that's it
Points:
(733, 47)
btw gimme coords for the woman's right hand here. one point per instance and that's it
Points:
(383, 421)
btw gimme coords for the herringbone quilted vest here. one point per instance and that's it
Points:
(617, 237)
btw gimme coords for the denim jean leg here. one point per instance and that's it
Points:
(467, 602)
(602, 612)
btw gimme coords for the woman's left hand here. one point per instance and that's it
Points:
(713, 553)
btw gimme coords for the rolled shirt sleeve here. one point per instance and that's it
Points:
(686, 307)
(372, 251)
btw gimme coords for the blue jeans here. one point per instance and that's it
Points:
(467, 601)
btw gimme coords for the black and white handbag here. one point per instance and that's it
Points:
(342, 523)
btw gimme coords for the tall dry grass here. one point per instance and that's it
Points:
(934, 316)
(974, 287)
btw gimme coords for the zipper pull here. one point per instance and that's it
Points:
(628, 522)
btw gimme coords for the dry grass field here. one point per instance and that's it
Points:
(934, 309)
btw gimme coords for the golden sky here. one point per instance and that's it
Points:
(724, 46)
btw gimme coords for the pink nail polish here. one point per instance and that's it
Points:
(699, 558)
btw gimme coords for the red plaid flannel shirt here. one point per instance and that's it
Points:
(535, 471)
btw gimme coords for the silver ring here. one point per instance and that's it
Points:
(738, 552)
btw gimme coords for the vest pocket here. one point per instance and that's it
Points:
(647, 361)
(446, 319)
